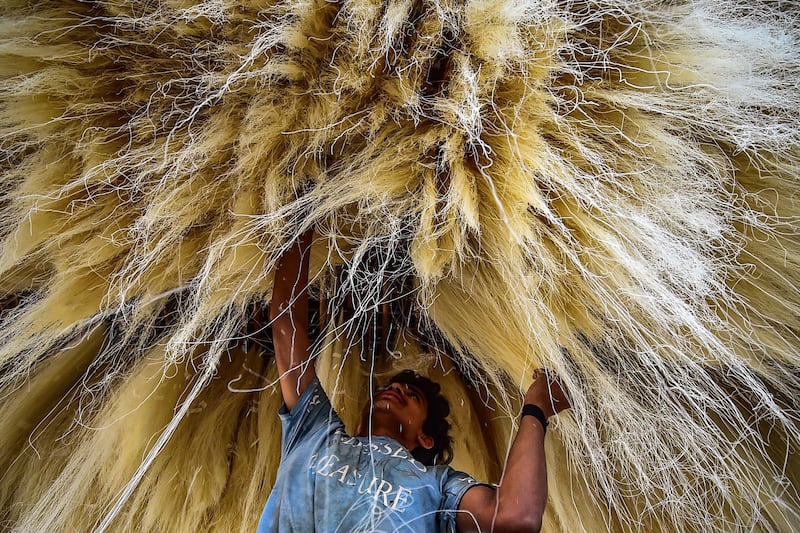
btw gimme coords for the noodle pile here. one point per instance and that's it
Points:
(605, 189)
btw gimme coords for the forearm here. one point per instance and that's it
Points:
(518, 503)
(289, 318)
(522, 492)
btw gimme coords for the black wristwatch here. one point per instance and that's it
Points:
(536, 412)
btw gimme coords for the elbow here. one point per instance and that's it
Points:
(518, 523)
(528, 526)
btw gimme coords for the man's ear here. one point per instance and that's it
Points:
(425, 440)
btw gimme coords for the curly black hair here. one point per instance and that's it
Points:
(436, 425)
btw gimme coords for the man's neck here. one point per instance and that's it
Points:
(392, 433)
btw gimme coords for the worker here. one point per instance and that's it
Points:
(391, 475)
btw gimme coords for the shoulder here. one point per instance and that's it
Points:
(312, 413)
(312, 397)
(454, 483)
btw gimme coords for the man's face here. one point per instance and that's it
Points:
(402, 398)
(399, 410)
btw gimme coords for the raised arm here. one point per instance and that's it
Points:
(288, 313)
(518, 503)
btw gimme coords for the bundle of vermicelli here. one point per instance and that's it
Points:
(607, 189)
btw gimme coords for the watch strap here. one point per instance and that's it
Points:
(535, 411)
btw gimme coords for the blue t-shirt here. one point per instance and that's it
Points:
(329, 481)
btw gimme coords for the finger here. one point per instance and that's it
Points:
(558, 391)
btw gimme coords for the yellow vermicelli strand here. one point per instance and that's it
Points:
(604, 189)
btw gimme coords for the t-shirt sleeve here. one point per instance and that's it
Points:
(311, 412)
(456, 484)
